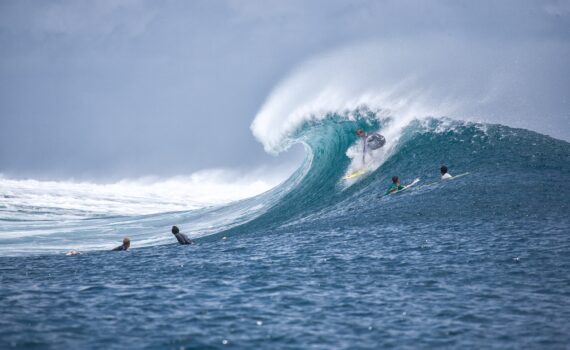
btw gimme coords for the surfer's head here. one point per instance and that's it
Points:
(395, 179)
(175, 229)
(360, 133)
(443, 170)
(126, 243)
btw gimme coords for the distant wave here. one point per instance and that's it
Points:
(59, 200)
(38, 217)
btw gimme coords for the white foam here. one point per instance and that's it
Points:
(132, 196)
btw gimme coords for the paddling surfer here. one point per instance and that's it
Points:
(444, 174)
(182, 238)
(395, 186)
(125, 246)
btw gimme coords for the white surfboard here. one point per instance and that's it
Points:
(408, 186)
(445, 180)
(458, 176)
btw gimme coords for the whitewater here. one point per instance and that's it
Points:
(312, 260)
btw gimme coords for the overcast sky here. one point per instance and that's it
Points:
(109, 89)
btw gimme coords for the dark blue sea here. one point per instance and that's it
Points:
(478, 262)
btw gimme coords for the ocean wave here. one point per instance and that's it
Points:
(315, 191)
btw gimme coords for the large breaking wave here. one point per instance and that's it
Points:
(317, 189)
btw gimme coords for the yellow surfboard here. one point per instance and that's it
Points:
(355, 174)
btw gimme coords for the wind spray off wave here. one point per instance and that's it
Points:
(431, 76)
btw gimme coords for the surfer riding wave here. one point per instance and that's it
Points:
(372, 141)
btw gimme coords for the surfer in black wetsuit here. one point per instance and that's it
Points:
(125, 246)
(182, 238)
(371, 141)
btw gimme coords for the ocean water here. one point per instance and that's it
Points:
(317, 262)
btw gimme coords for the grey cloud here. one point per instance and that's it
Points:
(77, 18)
(558, 7)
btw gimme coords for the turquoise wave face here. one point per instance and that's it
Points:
(512, 173)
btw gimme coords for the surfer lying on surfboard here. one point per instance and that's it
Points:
(444, 174)
(395, 186)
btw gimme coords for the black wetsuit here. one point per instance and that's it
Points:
(119, 248)
(182, 238)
